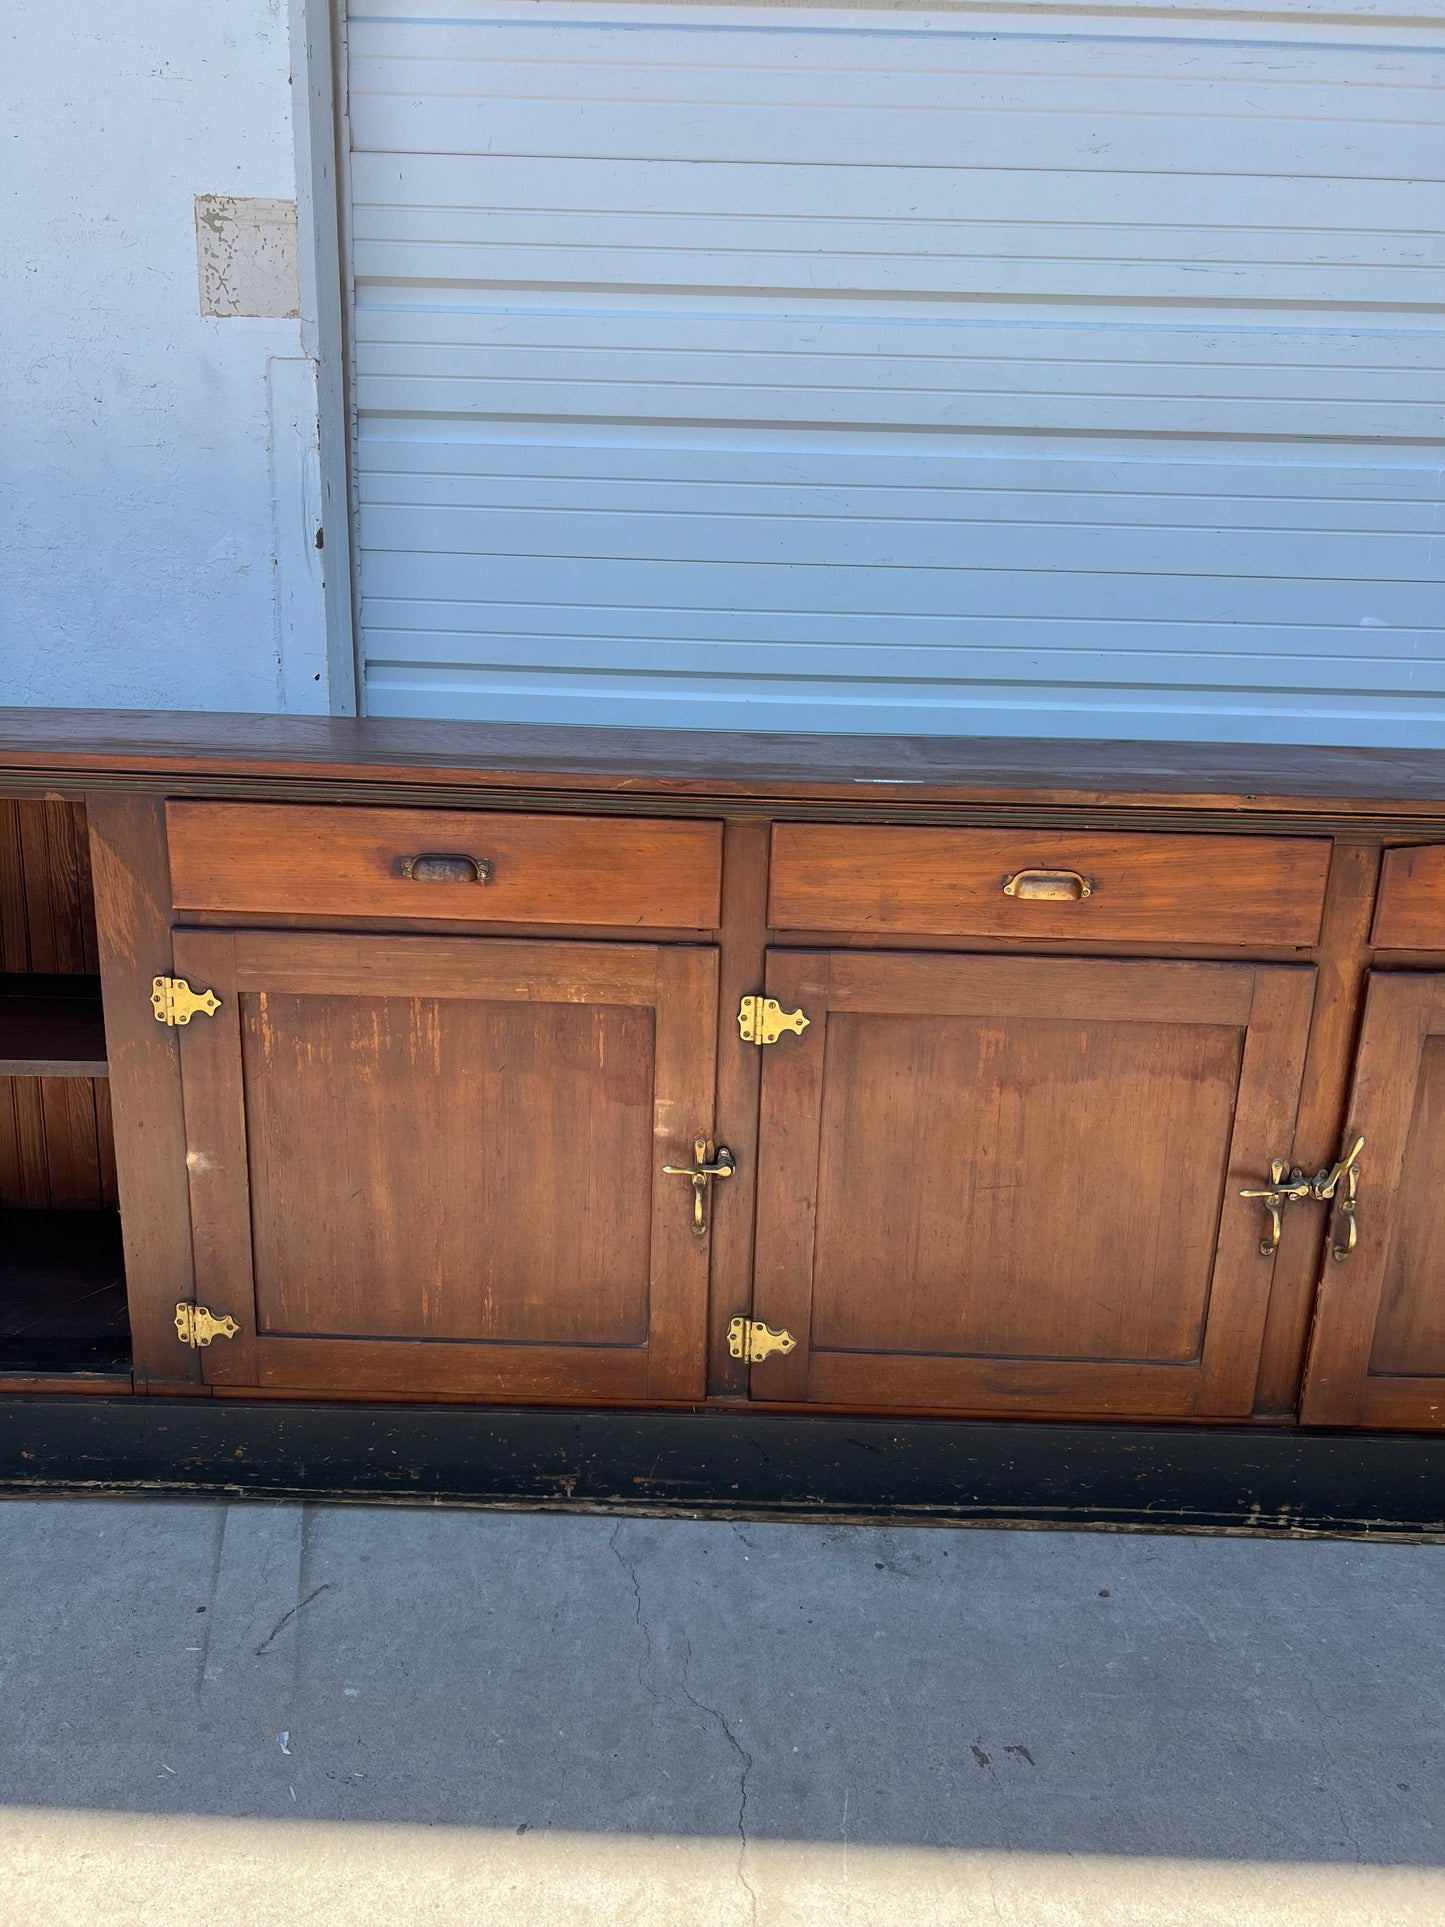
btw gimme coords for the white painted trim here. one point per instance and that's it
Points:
(318, 113)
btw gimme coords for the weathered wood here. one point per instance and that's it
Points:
(1343, 959)
(1378, 1354)
(736, 1464)
(1410, 909)
(742, 945)
(1002, 1184)
(132, 897)
(257, 858)
(432, 1165)
(1161, 889)
(889, 770)
(48, 1030)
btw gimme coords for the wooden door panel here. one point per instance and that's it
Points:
(994, 1183)
(432, 1164)
(1409, 1334)
(1377, 1358)
(535, 1128)
(1010, 1214)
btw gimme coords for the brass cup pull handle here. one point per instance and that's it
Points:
(1048, 886)
(707, 1164)
(436, 866)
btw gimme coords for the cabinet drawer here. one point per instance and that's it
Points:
(1047, 883)
(1410, 909)
(483, 866)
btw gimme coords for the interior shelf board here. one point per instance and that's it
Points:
(51, 1027)
(62, 1294)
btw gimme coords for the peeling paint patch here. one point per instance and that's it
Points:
(246, 255)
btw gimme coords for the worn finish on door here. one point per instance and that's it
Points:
(993, 1184)
(1378, 1357)
(433, 1164)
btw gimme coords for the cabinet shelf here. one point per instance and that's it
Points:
(62, 1294)
(51, 1027)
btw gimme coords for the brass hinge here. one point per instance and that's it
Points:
(174, 1002)
(196, 1325)
(762, 1020)
(751, 1339)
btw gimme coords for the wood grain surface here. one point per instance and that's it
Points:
(1378, 1354)
(882, 769)
(1410, 909)
(434, 1164)
(875, 877)
(621, 871)
(992, 1183)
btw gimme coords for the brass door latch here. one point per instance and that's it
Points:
(751, 1339)
(762, 1020)
(174, 1002)
(706, 1165)
(197, 1326)
(1293, 1187)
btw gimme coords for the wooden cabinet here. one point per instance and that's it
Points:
(1378, 1357)
(993, 1184)
(469, 1012)
(433, 1165)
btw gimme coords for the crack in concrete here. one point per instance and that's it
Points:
(745, 1758)
(315, 1593)
(629, 1566)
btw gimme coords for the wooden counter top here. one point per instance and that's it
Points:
(180, 750)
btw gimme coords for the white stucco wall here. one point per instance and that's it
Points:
(160, 474)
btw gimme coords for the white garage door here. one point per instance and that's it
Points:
(1028, 372)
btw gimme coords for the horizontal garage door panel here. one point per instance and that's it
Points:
(781, 368)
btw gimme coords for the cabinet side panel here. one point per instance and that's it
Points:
(132, 897)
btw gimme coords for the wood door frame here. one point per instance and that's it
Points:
(678, 982)
(1271, 1003)
(1403, 1009)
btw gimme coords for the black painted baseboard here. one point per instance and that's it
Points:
(733, 1464)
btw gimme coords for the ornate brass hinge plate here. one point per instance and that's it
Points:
(751, 1339)
(762, 1020)
(197, 1326)
(174, 1002)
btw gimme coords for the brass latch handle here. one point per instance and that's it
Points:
(1325, 1181)
(1296, 1188)
(1327, 1186)
(706, 1165)
(1282, 1190)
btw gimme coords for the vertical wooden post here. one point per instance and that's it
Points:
(132, 903)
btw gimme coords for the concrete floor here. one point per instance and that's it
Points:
(258, 1714)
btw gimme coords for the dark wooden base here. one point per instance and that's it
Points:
(735, 1463)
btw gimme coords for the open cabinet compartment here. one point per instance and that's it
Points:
(62, 1276)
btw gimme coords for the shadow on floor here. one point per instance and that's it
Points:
(1010, 1692)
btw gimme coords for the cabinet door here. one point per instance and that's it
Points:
(433, 1164)
(1378, 1354)
(992, 1184)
